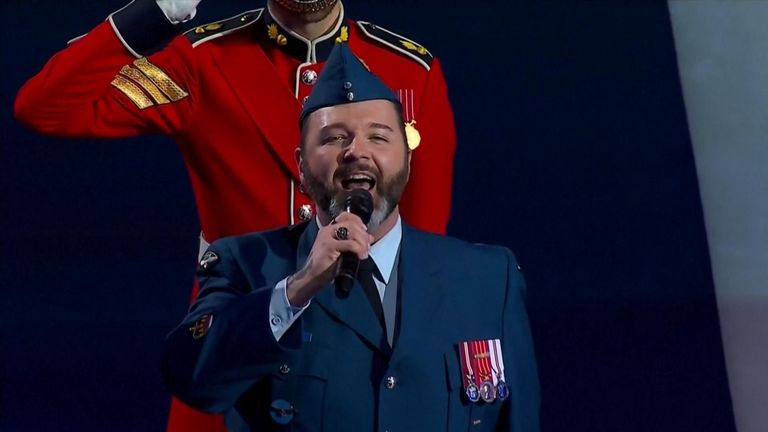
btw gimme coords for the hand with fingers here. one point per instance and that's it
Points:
(347, 233)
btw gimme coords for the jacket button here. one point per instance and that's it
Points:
(390, 383)
(305, 212)
(309, 77)
(284, 369)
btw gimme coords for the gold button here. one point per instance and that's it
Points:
(282, 40)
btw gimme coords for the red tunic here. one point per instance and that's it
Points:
(230, 94)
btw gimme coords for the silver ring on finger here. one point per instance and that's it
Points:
(341, 233)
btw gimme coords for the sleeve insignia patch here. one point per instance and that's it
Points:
(134, 93)
(201, 327)
(147, 85)
(399, 43)
(208, 260)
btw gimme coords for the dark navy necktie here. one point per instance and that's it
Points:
(365, 273)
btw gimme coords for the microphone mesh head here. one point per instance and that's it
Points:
(360, 203)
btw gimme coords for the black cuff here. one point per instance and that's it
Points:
(143, 27)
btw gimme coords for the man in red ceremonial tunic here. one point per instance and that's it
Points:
(230, 94)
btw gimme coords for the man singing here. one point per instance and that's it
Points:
(433, 334)
(230, 93)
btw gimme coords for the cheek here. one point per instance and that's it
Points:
(391, 161)
(328, 154)
(322, 165)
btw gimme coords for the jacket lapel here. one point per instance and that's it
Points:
(421, 295)
(354, 311)
(268, 102)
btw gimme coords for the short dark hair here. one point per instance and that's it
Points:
(398, 110)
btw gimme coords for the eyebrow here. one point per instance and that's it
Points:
(336, 125)
(341, 125)
(380, 126)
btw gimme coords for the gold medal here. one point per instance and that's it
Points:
(412, 135)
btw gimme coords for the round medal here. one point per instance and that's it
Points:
(473, 394)
(502, 390)
(488, 391)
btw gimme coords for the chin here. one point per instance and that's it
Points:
(380, 213)
(382, 207)
(310, 10)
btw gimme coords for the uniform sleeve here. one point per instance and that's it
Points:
(225, 344)
(426, 203)
(520, 362)
(102, 85)
(282, 314)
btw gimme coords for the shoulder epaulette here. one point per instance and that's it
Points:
(397, 42)
(216, 29)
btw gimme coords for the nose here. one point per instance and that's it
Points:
(356, 150)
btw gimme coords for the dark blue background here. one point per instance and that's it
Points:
(573, 150)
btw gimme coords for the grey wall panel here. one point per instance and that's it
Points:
(723, 60)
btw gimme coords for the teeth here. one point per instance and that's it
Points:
(358, 180)
(359, 177)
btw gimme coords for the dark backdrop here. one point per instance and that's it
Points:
(573, 150)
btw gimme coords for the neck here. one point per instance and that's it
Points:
(386, 225)
(309, 26)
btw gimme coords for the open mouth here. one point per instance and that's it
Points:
(358, 181)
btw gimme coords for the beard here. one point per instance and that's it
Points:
(330, 198)
(309, 10)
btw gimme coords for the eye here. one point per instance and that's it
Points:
(333, 139)
(378, 138)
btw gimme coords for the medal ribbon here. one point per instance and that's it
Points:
(466, 365)
(498, 361)
(483, 357)
(406, 97)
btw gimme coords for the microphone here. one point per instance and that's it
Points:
(359, 202)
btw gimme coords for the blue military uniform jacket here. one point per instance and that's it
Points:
(334, 370)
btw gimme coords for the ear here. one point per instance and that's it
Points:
(409, 156)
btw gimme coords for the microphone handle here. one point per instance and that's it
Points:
(346, 275)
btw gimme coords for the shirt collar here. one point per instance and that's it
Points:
(299, 47)
(384, 251)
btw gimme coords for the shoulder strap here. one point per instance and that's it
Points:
(216, 29)
(399, 43)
